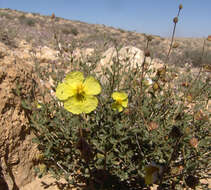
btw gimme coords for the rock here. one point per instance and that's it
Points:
(126, 55)
(83, 53)
(16, 148)
(3, 50)
(130, 58)
(46, 182)
(46, 54)
(82, 56)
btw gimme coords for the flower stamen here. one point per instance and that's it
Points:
(80, 92)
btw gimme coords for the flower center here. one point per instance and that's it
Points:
(119, 101)
(80, 92)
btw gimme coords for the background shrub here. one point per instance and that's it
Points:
(27, 21)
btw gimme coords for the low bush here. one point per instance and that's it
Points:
(123, 127)
(27, 21)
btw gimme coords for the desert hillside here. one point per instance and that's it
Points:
(40, 31)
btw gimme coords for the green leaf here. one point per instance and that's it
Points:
(25, 105)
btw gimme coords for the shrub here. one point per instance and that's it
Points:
(69, 29)
(108, 149)
(27, 21)
(74, 31)
(7, 37)
(195, 57)
(142, 126)
(66, 31)
(6, 15)
(121, 30)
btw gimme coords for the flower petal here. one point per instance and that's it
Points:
(151, 174)
(91, 86)
(116, 106)
(64, 91)
(119, 96)
(76, 106)
(74, 77)
(124, 103)
(148, 179)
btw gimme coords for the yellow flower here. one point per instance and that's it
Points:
(152, 173)
(121, 100)
(78, 93)
(38, 104)
(147, 82)
(209, 38)
(42, 168)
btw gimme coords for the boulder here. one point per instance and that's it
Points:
(126, 55)
(17, 151)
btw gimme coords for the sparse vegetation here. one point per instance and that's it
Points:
(6, 15)
(74, 31)
(195, 56)
(26, 20)
(69, 29)
(121, 127)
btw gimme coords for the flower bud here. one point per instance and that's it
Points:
(149, 38)
(194, 142)
(175, 20)
(207, 67)
(53, 16)
(155, 86)
(177, 170)
(209, 38)
(175, 45)
(152, 126)
(161, 72)
(189, 98)
(188, 130)
(147, 53)
(180, 6)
